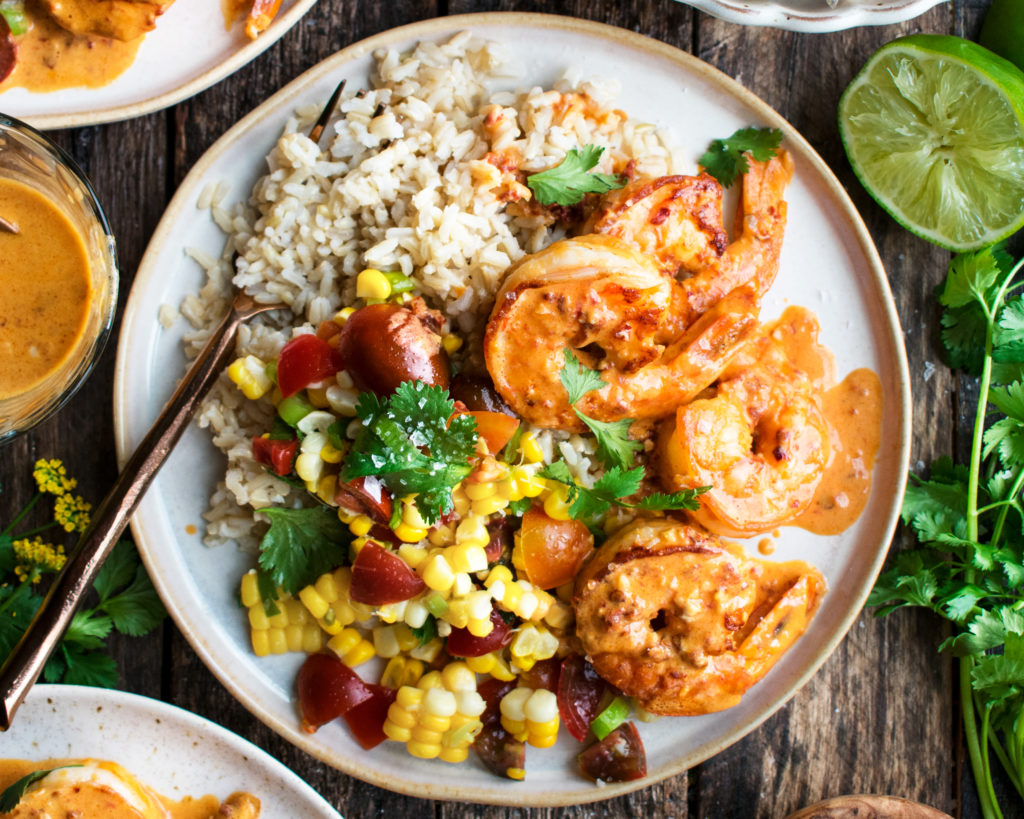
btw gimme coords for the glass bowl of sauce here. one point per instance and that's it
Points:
(58, 277)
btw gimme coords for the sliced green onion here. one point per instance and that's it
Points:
(270, 370)
(611, 718)
(13, 11)
(280, 431)
(436, 605)
(400, 283)
(293, 409)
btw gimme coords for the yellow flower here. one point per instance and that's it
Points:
(36, 557)
(72, 512)
(52, 477)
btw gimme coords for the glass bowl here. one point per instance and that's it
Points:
(28, 158)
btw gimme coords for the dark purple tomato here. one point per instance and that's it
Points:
(478, 394)
(619, 757)
(384, 345)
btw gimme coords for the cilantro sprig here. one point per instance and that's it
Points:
(13, 794)
(725, 159)
(969, 520)
(590, 504)
(415, 444)
(299, 546)
(569, 181)
(614, 446)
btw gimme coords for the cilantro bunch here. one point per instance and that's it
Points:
(725, 159)
(969, 520)
(125, 600)
(416, 444)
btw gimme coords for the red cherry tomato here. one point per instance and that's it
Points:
(501, 542)
(327, 689)
(305, 360)
(8, 50)
(491, 691)
(580, 691)
(619, 757)
(461, 643)
(366, 720)
(365, 496)
(380, 577)
(495, 428)
(278, 455)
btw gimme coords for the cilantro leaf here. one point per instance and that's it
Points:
(1007, 437)
(972, 276)
(686, 499)
(725, 158)
(89, 629)
(89, 667)
(12, 795)
(1008, 336)
(577, 379)
(1009, 400)
(301, 545)
(567, 183)
(415, 444)
(963, 337)
(428, 631)
(117, 569)
(614, 446)
(137, 609)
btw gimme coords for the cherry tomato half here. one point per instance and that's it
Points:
(619, 757)
(553, 550)
(380, 577)
(365, 496)
(366, 720)
(580, 691)
(305, 360)
(276, 454)
(327, 689)
(462, 643)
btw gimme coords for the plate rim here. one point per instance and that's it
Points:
(65, 695)
(788, 18)
(859, 233)
(157, 102)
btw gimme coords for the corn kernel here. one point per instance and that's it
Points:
(531, 450)
(343, 315)
(331, 454)
(457, 676)
(250, 376)
(488, 506)
(250, 592)
(436, 573)
(317, 397)
(372, 284)
(411, 514)
(326, 488)
(361, 525)
(516, 773)
(451, 342)
(410, 534)
(556, 504)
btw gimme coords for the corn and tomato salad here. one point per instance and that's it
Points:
(429, 572)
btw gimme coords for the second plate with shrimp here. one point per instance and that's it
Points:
(827, 264)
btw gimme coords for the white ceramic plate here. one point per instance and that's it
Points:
(164, 72)
(173, 751)
(814, 15)
(828, 264)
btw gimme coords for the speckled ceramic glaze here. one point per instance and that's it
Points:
(165, 71)
(173, 751)
(814, 15)
(828, 264)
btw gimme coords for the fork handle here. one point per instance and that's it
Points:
(29, 656)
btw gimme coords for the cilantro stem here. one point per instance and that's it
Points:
(997, 532)
(984, 741)
(15, 595)
(989, 807)
(22, 513)
(39, 529)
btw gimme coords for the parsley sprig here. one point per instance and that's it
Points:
(725, 159)
(415, 444)
(569, 181)
(969, 520)
(614, 446)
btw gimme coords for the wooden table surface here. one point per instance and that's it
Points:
(879, 717)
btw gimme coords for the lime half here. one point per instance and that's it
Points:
(933, 126)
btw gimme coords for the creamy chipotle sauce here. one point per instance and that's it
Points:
(853, 409)
(45, 281)
(51, 58)
(123, 797)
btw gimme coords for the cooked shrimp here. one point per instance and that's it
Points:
(685, 623)
(676, 220)
(607, 296)
(619, 313)
(761, 441)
